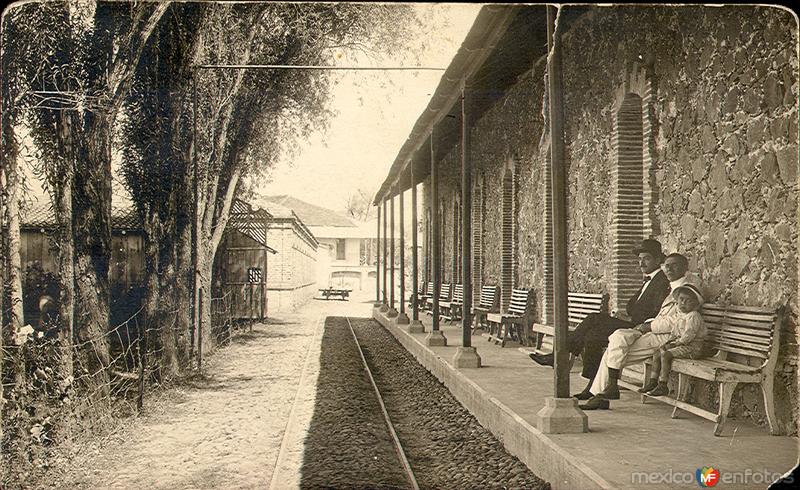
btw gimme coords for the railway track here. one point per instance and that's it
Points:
(278, 477)
(370, 395)
(412, 479)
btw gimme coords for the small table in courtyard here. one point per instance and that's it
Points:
(342, 293)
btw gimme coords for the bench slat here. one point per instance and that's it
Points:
(581, 309)
(711, 372)
(744, 352)
(594, 297)
(751, 316)
(760, 333)
(748, 323)
(716, 363)
(728, 334)
(494, 317)
(751, 309)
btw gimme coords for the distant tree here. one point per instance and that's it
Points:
(359, 206)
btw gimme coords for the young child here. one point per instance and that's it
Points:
(686, 340)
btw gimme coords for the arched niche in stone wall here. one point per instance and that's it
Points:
(633, 194)
(508, 264)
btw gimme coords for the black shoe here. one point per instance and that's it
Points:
(583, 395)
(610, 393)
(543, 359)
(651, 383)
(660, 390)
(595, 403)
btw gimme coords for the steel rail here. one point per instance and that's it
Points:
(397, 445)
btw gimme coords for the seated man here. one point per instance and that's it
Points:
(630, 346)
(591, 335)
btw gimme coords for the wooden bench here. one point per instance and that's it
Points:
(444, 296)
(747, 340)
(579, 306)
(424, 303)
(489, 303)
(421, 295)
(514, 323)
(451, 310)
(328, 292)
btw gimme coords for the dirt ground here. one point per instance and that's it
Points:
(226, 429)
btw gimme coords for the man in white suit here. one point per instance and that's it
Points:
(632, 345)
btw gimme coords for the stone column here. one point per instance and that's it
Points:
(402, 317)
(378, 261)
(385, 305)
(392, 310)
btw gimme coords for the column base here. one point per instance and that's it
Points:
(466, 357)
(391, 313)
(436, 339)
(377, 304)
(562, 416)
(384, 308)
(416, 326)
(402, 319)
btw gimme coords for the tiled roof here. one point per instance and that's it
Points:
(40, 215)
(312, 215)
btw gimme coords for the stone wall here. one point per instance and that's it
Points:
(509, 131)
(720, 176)
(725, 152)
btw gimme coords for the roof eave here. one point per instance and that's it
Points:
(489, 26)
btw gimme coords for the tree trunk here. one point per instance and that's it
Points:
(11, 262)
(157, 323)
(206, 267)
(183, 295)
(91, 205)
(61, 196)
(14, 271)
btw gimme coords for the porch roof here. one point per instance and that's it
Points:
(501, 45)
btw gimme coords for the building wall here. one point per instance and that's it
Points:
(720, 159)
(292, 274)
(505, 139)
(349, 273)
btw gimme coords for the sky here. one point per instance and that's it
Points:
(375, 114)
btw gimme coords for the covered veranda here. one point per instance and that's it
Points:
(526, 405)
(633, 445)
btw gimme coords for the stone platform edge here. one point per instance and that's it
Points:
(535, 449)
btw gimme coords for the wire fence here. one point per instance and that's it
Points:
(99, 379)
(222, 324)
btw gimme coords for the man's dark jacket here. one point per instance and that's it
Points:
(640, 309)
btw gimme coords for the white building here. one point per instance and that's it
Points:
(346, 254)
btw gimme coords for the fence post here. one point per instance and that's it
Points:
(142, 362)
(200, 329)
(229, 309)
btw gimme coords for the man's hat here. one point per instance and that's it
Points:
(653, 247)
(692, 289)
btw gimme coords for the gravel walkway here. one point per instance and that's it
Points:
(445, 445)
(220, 431)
